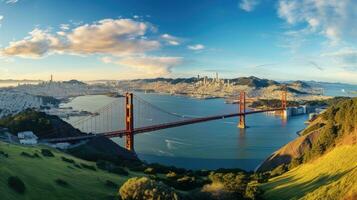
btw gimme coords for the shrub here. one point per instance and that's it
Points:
(25, 154)
(278, 170)
(61, 182)
(68, 160)
(145, 188)
(90, 167)
(260, 177)
(78, 166)
(227, 185)
(187, 183)
(295, 162)
(171, 175)
(4, 154)
(253, 192)
(16, 184)
(149, 170)
(47, 153)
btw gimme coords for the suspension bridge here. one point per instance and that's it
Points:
(117, 119)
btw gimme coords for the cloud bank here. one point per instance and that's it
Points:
(108, 36)
(331, 18)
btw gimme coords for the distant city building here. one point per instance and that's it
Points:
(27, 137)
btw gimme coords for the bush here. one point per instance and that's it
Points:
(25, 154)
(149, 170)
(171, 175)
(61, 182)
(16, 184)
(145, 188)
(278, 170)
(4, 154)
(253, 192)
(47, 153)
(260, 177)
(187, 183)
(68, 160)
(295, 162)
(90, 167)
(233, 182)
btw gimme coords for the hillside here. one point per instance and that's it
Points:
(321, 163)
(332, 176)
(53, 178)
(337, 126)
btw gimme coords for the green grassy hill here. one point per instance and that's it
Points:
(46, 177)
(332, 176)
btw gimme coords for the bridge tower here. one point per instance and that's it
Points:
(284, 95)
(242, 110)
(129, 122)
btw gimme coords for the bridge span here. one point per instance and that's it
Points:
(130, 130)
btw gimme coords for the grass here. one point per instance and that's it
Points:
(332, 176)
(40, 174)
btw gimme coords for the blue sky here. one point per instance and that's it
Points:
(117, 39)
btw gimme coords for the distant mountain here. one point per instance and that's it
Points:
(253, 81)
(74, 82)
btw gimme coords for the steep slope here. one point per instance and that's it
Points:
(337, 126)
(332, 176)
(46, 177)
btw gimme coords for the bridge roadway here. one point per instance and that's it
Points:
(145, 129)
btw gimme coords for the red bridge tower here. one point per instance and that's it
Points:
(241, 110)
(129, 122)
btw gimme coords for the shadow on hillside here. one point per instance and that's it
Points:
(304, 187)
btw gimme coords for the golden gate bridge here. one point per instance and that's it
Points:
(147, 117)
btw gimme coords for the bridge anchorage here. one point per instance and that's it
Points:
(117, 119)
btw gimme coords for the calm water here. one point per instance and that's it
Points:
(206, 145)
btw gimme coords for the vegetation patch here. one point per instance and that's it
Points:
(47, 153)
(29, 119)
(3, 154)
(61, 182)
(145, 188)
(16, 184)
(68, 160)
(90, 167)
(25, 154)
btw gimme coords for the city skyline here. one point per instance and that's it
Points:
(280, 40)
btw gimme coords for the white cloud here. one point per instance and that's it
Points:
(248, 5)
(171, 40)
(11, 1)
(151, 66)
(108, 36)
(1, 18)
(196, 47)
(64, 27)
(346, 58)
(334, 19)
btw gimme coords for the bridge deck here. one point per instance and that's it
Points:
(145, 129)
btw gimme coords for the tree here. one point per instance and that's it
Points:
(144, 188)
